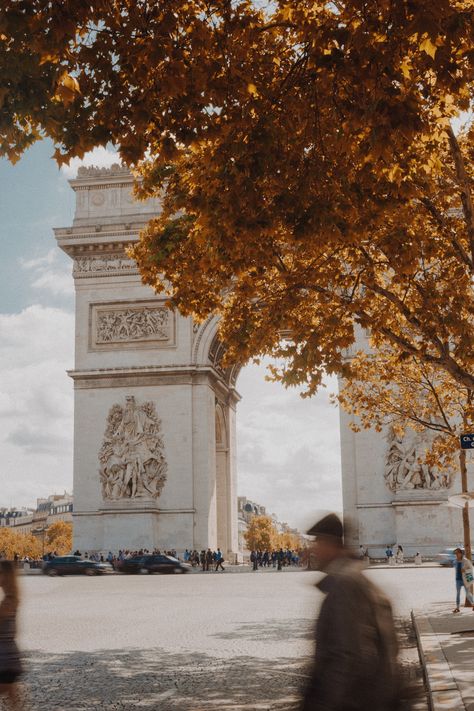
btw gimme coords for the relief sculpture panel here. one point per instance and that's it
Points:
(130, 325)
(132, 459)
(108, 264)
(405, 468)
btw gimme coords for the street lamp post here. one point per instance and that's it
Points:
(465, 511)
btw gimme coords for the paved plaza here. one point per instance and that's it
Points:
(190, 643)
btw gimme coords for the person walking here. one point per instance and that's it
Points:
(463, 576)
(10, 661)
(209, 559)
(355, 664)
(219, 560)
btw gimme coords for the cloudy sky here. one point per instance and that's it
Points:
(288, 448)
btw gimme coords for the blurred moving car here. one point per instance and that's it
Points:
(151, 564)
(74, 565)
(446, 557)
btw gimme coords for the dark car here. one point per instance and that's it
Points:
(74, 565)
(151, 564)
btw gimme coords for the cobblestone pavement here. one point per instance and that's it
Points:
(187, 643)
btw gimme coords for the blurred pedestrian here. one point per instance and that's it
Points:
(463, 577)
(219, 560)
(10, 661)
(355, 665)
(399, 555)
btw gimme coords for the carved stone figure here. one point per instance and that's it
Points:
(88, 266)
(133, 324)
(404, 468)
(94, 171)
(132, 461)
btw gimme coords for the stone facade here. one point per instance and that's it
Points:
(162, 473)
(154, 440)
(389, 497)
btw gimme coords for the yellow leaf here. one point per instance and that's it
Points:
(252, 89)
(52, 58)
(405, 69)
(428, 47)
(67, 89)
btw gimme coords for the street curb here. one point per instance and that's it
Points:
(400, 566)
(443, 691)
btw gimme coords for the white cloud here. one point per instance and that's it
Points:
(288, 449)
(50, 273)
(100, 157)
(36, 403)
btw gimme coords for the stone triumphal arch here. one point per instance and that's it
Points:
(155, 413)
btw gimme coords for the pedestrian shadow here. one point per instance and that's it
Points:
(155, 679)
(271, 631)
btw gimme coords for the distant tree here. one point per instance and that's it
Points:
(24, 545)
(288, 541)
(261, 533)
(59, 537)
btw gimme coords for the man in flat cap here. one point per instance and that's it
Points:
(355, 664)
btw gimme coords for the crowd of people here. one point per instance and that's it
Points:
(206, 559)
(275, 559)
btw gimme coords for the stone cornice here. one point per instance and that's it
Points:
(99, 178)
(150, 375)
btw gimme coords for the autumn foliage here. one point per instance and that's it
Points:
(262, 535)
(305, 153)
(24, 545)
(59, 538)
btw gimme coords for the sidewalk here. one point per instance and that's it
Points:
(446, 645)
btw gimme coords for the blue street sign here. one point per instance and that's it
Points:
(467, 441)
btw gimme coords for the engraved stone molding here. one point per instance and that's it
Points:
(405, 469)
(109, 264)
(132, 459)
(216, 354)
(132, 325)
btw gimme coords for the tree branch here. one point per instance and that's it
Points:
(463, 179)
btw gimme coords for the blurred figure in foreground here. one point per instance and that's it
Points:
(10, 662)
(355, 665)
(464, 577)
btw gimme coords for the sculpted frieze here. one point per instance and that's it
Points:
(90, 266)
(405, 468)
(132, 324)
(132, 459)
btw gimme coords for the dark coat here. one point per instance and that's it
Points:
(355, 665)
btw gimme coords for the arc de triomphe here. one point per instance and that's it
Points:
(155, 414)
